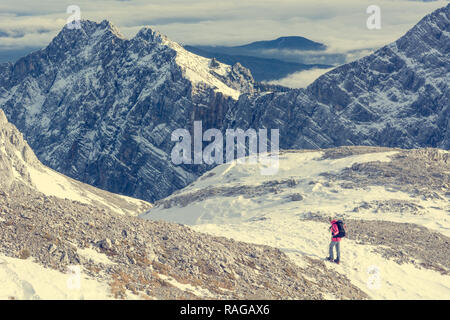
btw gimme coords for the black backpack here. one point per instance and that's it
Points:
(341, 227)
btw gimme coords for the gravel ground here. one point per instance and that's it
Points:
(53, 231)
(422, 173)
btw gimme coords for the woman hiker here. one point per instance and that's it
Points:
(336, 236)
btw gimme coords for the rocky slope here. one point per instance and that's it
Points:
(101, 108)
(132, 257)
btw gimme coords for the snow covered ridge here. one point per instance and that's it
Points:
(19, 166)
(204, 72)
(388, 197)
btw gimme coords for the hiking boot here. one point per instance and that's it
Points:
(336, 261)
(329, 259)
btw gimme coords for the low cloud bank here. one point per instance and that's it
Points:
(300, 79)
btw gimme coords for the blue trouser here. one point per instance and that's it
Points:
(338, 250)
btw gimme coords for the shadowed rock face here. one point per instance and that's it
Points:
(101, 108)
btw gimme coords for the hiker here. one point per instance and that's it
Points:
(337, 229)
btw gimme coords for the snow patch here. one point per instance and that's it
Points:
(27, 280)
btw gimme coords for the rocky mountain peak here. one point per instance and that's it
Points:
(397, 96)
(150, 35)
(90, 28)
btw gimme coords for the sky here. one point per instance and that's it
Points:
(341, 25)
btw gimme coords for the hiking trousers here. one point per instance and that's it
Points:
(336, 244)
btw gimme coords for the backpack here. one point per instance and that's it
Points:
(341, 227)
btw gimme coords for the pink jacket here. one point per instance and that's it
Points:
(334, 231)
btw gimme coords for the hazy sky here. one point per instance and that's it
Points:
(339, 24)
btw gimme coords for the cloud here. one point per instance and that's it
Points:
(300, 79)
(339, 24)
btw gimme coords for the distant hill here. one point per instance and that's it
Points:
(12, 55)
(256, 48)
(282, 43)
(263, 69)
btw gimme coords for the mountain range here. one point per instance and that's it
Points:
(397, 97)
(93, 100)
(101, 108)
